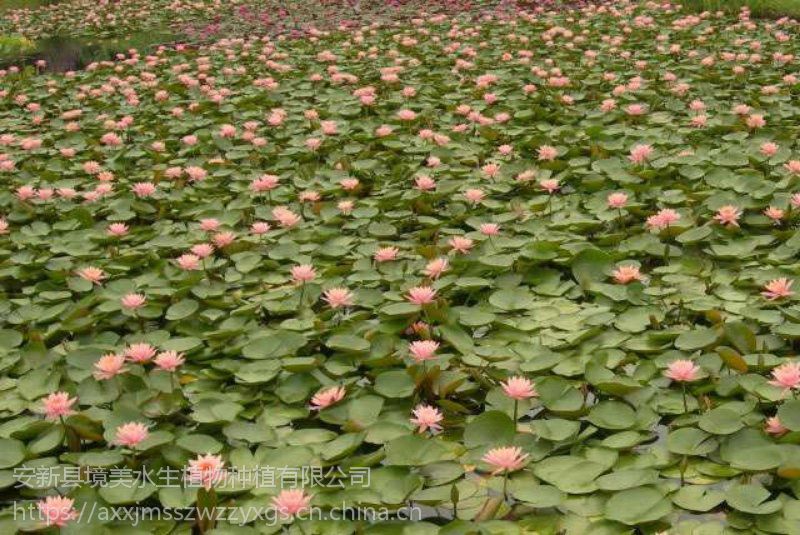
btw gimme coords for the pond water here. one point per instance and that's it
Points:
(69, 54)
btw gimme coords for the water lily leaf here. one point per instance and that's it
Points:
(9, 339)
(182, 309)
(591, 265)
(789, 414)
(276, 345)
(696, 339)
(555, 429)
(491, 427)
(558, 395)
(250, 432)
(753, 499)
(100, 459)
(394, 384)
(749, 449)
(399, 309)
(127, 492)
(698, 498)
(740, 335)
(348, 343)
(573, 475)
(694, 235)
(627, 479)
(612, 415)
(539, 496)
(458, 338)
(690, 441)
(414, 450)
(12, 452)
(510, 300)
(720, 421)
(637, 506)
(259, 372)
(200, 444)
(732, 358)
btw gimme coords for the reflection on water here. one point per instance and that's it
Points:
(61, 54)
(70, 54)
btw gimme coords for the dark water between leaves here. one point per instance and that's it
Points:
(71, 54)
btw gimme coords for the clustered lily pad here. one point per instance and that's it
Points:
(204, 20)
(530, 274)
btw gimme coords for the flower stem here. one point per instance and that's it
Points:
(685, 403)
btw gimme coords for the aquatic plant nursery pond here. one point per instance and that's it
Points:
(532, 272)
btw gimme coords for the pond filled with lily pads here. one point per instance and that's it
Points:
(526, 272)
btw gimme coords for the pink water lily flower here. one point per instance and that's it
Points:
(786, 376)
(133, 301)
(204, 250)
(769, 149)
(144, 189)
(109, 366)
(774, 426)
(663, 219)
(349, 184)
(461, 244)
(327, 397)
(406, 115)
(756, 121)
(778, 289)
(169, 361)
(260, 227)
(728, 215)
(421, 350)
(427, 417)
(550, 185)
(57, 405)
(303, 273)
(338, 297)
(617, 200)
(285, 217)
(209, 224)
(140, 352)
(424, 183)
(774, 213)
(640, 154)
(117, 229)
(188, 262)
(508, 459)
(421, 295)
(793, 166)
(436, 267)
(386, 254)
(547, 153)
(92, 274)
(57, 510)
(223, 239)
(474, 195)
(627, 274)
(491, 170)
(291, 502)
(683, 371)
(206, 471)
(490, 229)
(131, 434)
(519, 388)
